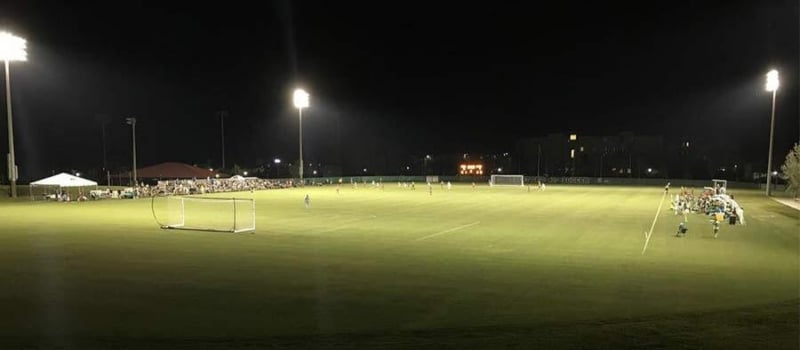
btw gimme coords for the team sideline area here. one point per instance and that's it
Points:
(379, 267)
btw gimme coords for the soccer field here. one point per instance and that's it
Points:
(396, 268)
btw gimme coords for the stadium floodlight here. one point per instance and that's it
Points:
(277, 161)
(301, 100)
(12, 48)
(78, 174)
(772, 86)
(772, 81)
(245, 173)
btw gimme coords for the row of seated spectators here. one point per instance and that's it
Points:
(191, 187)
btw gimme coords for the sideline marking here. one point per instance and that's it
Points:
(448, 231)
(650, 233)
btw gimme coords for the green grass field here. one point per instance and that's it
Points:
(469, 268)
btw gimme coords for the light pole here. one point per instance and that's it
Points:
(601, 163)
(425, 164)
(222, 135)
(301, 101)
(277, 168)
(132, 122)
(12, 48)
(772, 86)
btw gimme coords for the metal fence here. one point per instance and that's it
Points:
(577, 180)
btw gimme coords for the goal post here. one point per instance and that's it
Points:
(205, 213)
(508, 180)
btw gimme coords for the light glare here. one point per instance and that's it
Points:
(301, 99)
(12, 47)
(772, 80)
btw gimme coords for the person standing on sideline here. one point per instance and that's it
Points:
(307, 202)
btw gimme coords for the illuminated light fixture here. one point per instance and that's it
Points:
(649, 170)
(245, 173)
(78, 174)
(315, 172)
(572, 153)
(209, 169)
(277, 161)
(12, 47)
(217, 176)
(365, 170)
(573, 137)
(772, 81)
(300, 99)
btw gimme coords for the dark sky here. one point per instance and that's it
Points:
(392, 79)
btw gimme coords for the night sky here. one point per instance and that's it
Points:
(394, 79)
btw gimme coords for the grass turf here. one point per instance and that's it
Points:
(480, 267)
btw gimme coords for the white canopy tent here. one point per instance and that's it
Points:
(60, 182)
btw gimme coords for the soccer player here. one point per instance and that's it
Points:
(666, 188)
(430, 189)
(715, 225)
(449, 186)
(681, 230)
(337, 189)
(307, 201)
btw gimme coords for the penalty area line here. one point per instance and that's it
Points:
(448, 231)
(650, 233)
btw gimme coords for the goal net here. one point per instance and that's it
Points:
(507, 180)
(206, 214)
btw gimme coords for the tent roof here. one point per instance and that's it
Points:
(64, 180)
(174, 170)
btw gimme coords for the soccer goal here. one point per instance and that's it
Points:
(507, 180)
(206, 213)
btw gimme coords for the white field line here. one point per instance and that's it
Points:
(448, 231)
(346, 224)
(650, 233)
